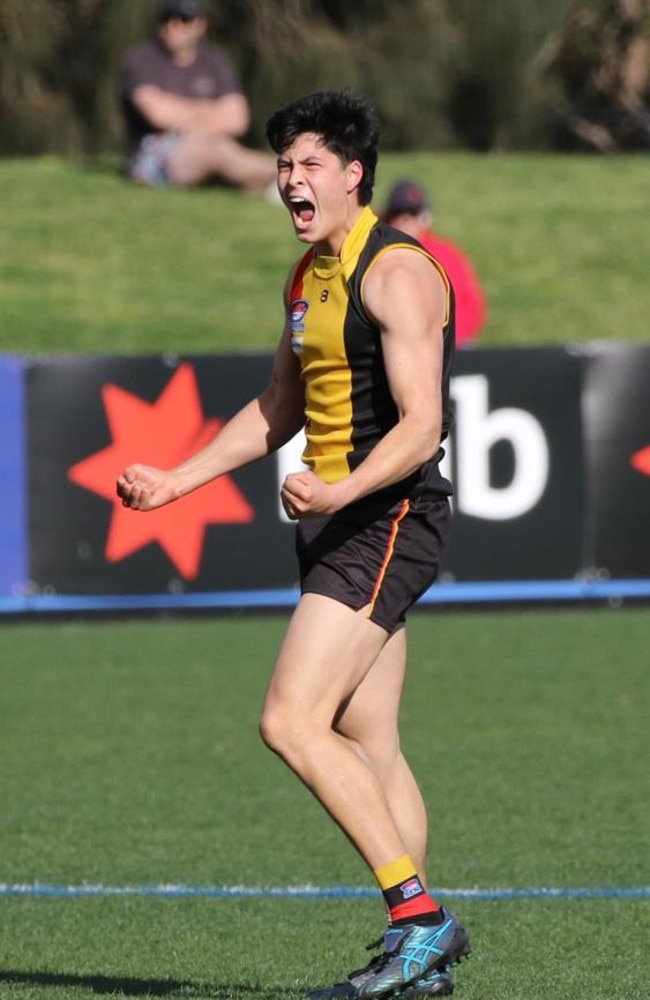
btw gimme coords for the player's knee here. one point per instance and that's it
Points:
(282, 732)
(273, 728)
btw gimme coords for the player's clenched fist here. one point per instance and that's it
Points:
(303, 493)
(142, 487)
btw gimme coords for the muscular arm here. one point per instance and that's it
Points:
(168, 112)
(407, 298)
(260, 427)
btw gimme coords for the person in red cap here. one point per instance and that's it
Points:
(408, 209)
(184, 109)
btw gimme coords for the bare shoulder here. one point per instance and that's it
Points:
(402, 275)
(401, 262)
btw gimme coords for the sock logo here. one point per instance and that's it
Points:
(411, 888)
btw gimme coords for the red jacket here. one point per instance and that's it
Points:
(471, 308)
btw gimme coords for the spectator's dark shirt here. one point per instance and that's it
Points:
(211, 75)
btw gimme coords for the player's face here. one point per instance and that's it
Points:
(320, 192)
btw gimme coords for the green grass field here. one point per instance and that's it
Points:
(130, 748)
(89, 262)
(131, 758)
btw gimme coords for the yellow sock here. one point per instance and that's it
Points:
(395, 872)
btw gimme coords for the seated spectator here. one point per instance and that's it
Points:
(184, 109)
(407, 208)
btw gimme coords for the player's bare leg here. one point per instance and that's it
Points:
(327, 652)
(369, 721)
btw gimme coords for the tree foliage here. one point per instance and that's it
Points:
(444, 73)
(601, 62)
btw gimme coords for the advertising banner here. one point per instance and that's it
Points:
(516, 461)
(549, 456)
(13, 534)
(617, 440)
(90, 417)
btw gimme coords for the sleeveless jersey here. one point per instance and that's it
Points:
(349, 407)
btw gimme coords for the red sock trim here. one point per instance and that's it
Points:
(413, 908)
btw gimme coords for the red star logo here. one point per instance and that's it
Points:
(641, 461)
(163, 434)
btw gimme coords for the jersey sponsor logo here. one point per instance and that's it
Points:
(411, 888)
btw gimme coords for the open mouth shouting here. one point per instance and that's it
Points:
(302, 211)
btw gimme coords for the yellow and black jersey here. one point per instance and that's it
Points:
(349, 407)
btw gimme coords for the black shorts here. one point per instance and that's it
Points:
(384, 558)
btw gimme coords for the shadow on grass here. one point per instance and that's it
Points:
(132, 987)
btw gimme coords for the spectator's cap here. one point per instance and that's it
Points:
(406, 196)
(185, 10)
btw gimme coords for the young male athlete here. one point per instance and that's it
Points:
(363, 365)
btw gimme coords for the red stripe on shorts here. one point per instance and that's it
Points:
(403, 511)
